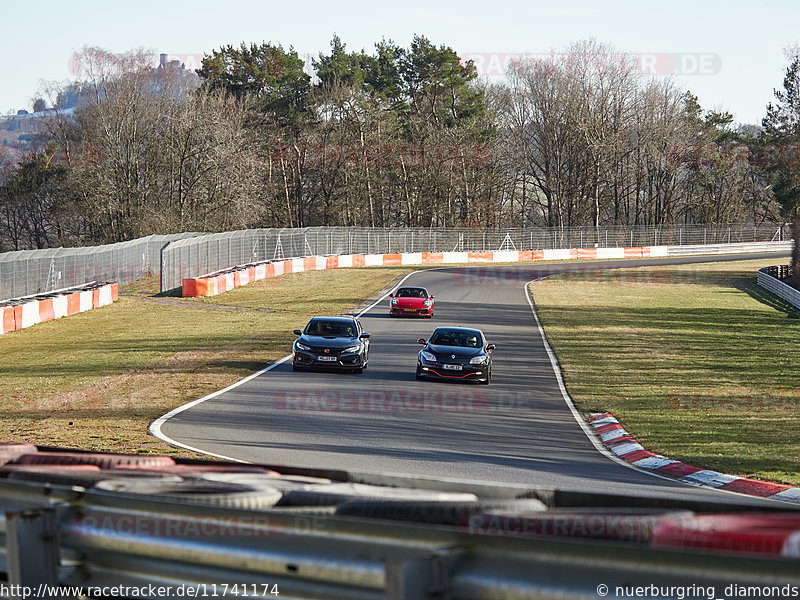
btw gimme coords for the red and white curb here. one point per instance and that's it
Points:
(625, 446)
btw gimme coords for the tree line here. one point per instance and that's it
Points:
(401, 136)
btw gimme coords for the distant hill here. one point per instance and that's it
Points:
(18, 134)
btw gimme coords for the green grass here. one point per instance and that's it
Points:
(95, 380)
(696, 361)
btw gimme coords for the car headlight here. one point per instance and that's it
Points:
(352, 349)
(428, 356)
(426, 303)
(394, 301)
(300, 346)
(479, 360)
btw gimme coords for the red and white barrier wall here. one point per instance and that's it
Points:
(47, 307)
(224, 281)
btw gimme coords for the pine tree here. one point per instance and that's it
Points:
(782, 140)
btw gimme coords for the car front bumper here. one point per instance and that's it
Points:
(467, 372)
(410, 312)
(345, 361)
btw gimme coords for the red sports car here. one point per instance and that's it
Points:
(411, 301)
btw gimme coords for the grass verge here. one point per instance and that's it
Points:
(697, 361)
(95, 380)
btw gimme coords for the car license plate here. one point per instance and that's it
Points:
(327, 358)
(410, 309)
(452, 367)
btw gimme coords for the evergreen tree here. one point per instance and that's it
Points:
(782, 140)
(273, 76)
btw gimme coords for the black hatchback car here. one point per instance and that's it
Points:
(455, 353)
(331, 343)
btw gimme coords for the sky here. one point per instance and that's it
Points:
(731, 54)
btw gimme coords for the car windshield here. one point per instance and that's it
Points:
(467, 338)
(411, 293)
(330, 328)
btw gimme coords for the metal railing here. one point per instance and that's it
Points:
(733, 248)
(770, 278)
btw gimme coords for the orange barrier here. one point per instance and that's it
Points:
(36, 310)
(217, 283)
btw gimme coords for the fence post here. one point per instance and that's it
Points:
(161, 268)
(32, 548)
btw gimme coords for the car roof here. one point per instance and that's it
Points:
(458, 328)
(343, 319)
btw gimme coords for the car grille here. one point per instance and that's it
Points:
(320, 351)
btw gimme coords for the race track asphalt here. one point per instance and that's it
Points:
(517, 430)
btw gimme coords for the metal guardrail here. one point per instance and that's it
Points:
(769, 278)
(729, 248)
(71, 536)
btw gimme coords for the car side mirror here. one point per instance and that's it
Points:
(297, 332)
(490, 347)
(433, 296)
(364, 336)
(422, 341)
(391, 295)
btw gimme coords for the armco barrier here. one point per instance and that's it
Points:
(24, 312)
(777, 287)
(224, 281)
(62, 529)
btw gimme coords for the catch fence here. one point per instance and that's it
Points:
(178, 256)
(202, 254)
(28, 272)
